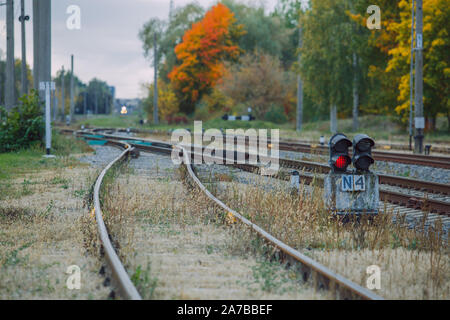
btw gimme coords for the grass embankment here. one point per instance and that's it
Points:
(175, 248)
(42, 218)
(381, 128)
(414, 264)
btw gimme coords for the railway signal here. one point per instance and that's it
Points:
(339, 157)
(356, 192)
(362, 152)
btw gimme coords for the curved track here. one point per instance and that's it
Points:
(118, 272)
(322, 277)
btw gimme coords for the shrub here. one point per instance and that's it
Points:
(276, 115)
(22, 125)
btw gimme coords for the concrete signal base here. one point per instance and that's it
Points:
(352, 193)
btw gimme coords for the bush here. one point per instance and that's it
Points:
(22, 125)
(276, 115)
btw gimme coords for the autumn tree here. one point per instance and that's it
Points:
(201, 54)
(167, 101)
(436, 67)
(259, 81)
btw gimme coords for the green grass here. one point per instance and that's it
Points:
(13, 164)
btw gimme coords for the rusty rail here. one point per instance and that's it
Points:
(120, 276)
(338, 282)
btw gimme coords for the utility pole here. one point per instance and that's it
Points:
(23, 18)
(96, 102)
(43, 52)
(419, 121)
(36, 44)
(355, 92)
(85, 103)
(299, 86)
(55, 105)
(71, 91)
(333, 118)
(171, 11)
(411, 78)
(63, 98)
(155, 94)
(10, 94)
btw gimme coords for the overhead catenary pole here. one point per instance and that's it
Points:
(10, 94)
(411, 78)
(419, 120)
(43, 52)
(85, 103)
(299, 86)
(355, 92)
(23, 18)
(36, 44)
(55, 105)
(71, 90)
(333, 118)
(63, 98)
(155, 86)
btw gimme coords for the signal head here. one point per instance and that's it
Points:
(339, 158)
(362, 152)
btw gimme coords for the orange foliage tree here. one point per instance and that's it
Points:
(201, 53)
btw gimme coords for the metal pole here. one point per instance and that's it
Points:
(55, 105)
(85, 103)
(355, 93)
(71, 91)
(22, 20)
(155, 94)
(44, 44)
(63, 98)
(419, 121)
(36, 44)
(96, 102)
(10, 94)
(299, 87)
(411, 78)
(333, 118)
(47, 87)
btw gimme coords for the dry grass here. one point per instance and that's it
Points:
(176, 246)
(414, 264)
(41, 236)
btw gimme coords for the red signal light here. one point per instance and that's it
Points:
(341, 162)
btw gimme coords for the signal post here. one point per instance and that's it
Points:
(351, 192)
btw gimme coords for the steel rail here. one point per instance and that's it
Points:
(299, 257)
(120, 275)
(338, 282)
(435, 206)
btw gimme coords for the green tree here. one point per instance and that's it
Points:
(170, 33)
(327, 52)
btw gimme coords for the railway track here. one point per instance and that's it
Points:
(321, 276)
(416, 159)
(120, 276)
(288, 145)
(411, 193)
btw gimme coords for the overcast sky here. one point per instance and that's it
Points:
(107, 45)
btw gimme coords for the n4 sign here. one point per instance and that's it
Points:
(353, 183)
